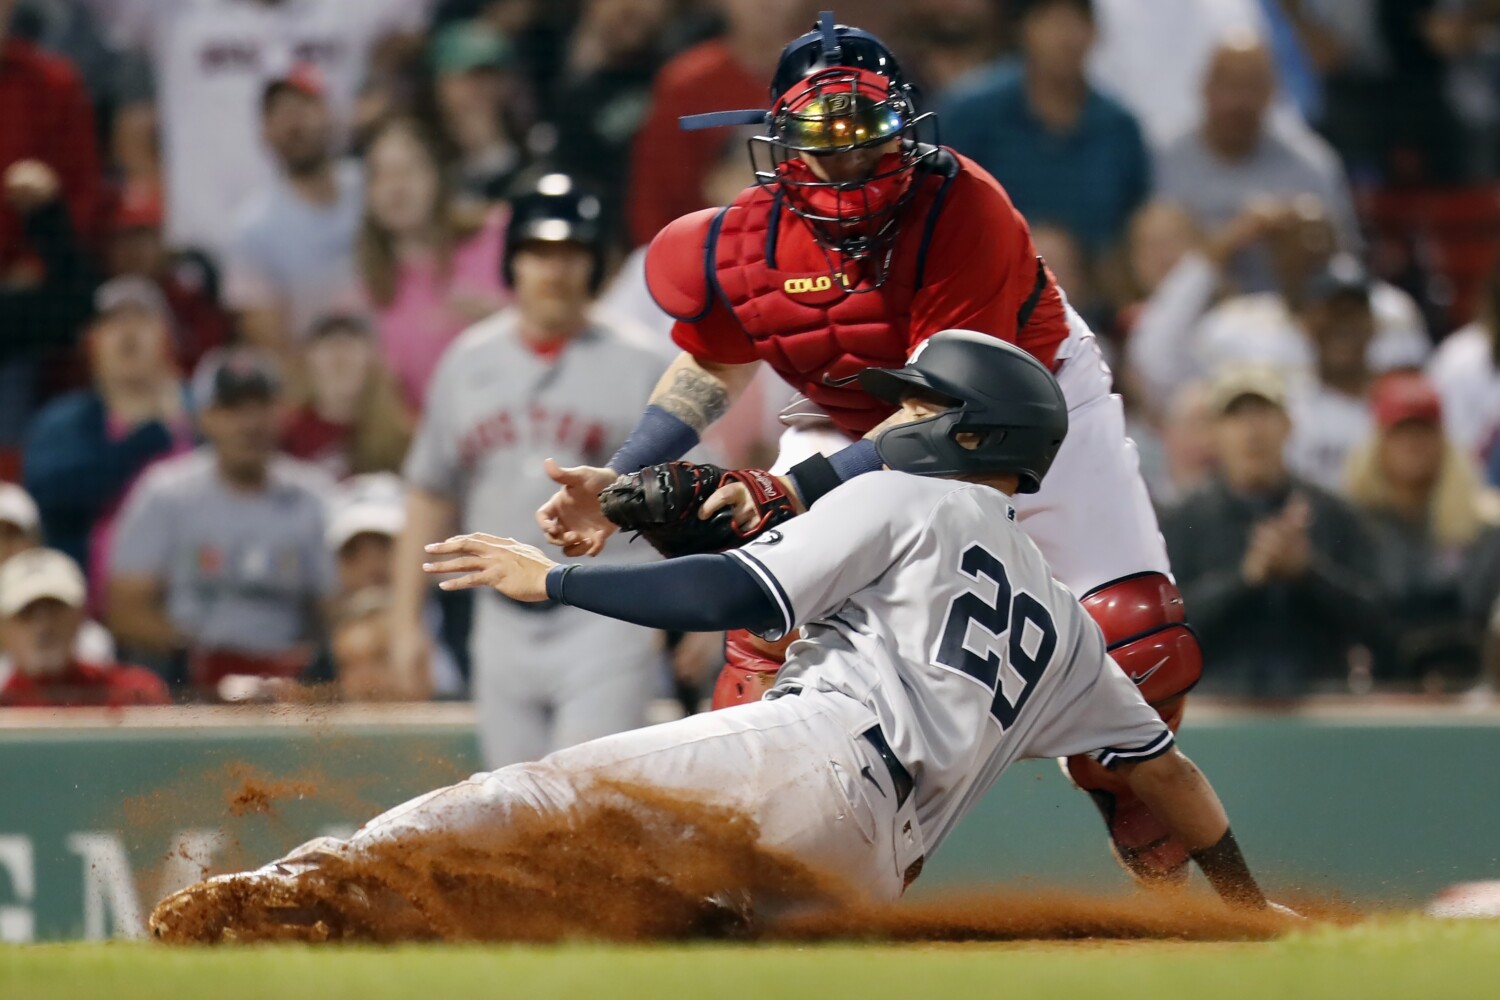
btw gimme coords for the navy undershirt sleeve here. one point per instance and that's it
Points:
(704, 593)
(659, 437)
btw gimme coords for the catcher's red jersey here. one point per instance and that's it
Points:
(749, 282)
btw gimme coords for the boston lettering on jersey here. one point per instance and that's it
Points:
(535, 427)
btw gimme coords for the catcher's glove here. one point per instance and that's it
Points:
(661, 504)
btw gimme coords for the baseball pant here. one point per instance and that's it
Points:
(797, 765)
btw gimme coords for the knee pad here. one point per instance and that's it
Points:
(750, 668)
(1146, 633)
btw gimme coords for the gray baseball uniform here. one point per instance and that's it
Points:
(544, 677)
(924, 611)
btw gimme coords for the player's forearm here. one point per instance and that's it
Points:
(703, 593)
(1180, 796)
(429, 518)
(690, 396)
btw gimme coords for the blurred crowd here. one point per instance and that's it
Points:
(240, 238)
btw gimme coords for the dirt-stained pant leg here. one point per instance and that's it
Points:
(795, 765)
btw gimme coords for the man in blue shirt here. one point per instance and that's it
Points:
(1067, 154)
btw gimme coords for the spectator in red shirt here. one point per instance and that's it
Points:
(668, 167)
(47, 118)
(353, 419)
(41, 610)
(187, 280)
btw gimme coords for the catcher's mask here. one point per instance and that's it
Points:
(838, 90)
(1000, 394)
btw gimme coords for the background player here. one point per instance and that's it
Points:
(858, 242)
(541, 379)
(937, 649)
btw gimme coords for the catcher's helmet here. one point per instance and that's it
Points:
(837, 89)
(999, 392)
(555, 208)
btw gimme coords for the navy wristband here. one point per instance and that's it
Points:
(555, 577)
(658, 437)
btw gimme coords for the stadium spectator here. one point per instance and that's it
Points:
(949, 41)
(613, 57)
(668, 166)
(1278, 577)
(429, 268)
(1421, 496)
(365, 516)
(1331, 410)
(475, 92)
(353, 420)
(1067, 155)
(1389, 101)
(20, 521)
(20, 530)
(1187, 452)
(218, 566)
(1152, 57)
(547, 378)
(1241, 153)
(85, 449)
(291, 257)
(48, 120)
(187, 279)
(44, 296)
(41, 613)
(1466, 370)
(210, 60)
(1180, 334)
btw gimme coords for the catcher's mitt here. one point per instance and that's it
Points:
(661, 504)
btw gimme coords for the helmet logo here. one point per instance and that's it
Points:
(838, 103)
(802, 286)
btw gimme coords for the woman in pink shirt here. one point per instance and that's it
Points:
(428, 273)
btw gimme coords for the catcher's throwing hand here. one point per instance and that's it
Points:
(517, 570)
(572, 518)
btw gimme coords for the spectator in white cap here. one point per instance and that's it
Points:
(84, 449)
(41, 613)
(218, 562)
(20, 522)
(365, 516)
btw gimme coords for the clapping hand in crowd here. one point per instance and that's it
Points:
(1279, 545)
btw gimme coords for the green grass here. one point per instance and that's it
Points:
(1407, 958)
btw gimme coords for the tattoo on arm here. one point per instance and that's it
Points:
(695, 398)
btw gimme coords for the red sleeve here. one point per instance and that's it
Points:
(716, 337)
(982, 272)
(73, 152)
(137, 686)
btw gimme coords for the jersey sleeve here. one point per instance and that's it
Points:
(717, 337)
(982, 273)
(433, 460)
(1107, 718)
(811, 564)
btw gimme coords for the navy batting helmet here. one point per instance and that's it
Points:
(1001, 394)
(555, 208)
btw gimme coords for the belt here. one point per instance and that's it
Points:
(900, 776)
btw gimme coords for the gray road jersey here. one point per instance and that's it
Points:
(923, 600)
(496, 410)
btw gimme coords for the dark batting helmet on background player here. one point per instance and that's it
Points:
(857, 243)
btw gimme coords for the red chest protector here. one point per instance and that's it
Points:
(764, 264)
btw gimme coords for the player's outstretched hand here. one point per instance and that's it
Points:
(572, 518)
(517, 570)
